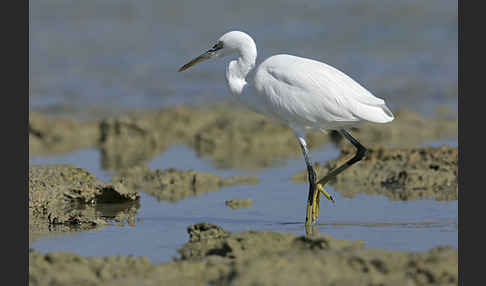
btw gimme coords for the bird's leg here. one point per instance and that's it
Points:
(360, 153)
(317, 199)
(314, 189)
(311, 206)
(310, 229)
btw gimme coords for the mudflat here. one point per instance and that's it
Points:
(213, 256)
(397, 173)
(231, 137)
(66, 198)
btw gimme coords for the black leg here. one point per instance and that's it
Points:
(360, 153)
(311, 176)
(310, 170)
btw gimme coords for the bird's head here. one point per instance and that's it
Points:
(230, 43)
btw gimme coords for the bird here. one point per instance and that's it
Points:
(305, 94)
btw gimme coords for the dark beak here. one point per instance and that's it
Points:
(207, 55)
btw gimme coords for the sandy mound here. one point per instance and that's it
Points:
(174, 185)
(214, 256)
(399, 174)
(67, 198)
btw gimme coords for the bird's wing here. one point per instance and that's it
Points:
(316, 90)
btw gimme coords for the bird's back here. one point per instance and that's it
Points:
(312, 94)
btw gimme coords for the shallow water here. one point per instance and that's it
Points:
(93, 58)
(109, 55)
(278, 205)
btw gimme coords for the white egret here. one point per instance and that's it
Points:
(304, 94)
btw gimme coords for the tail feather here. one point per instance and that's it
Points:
(375, 113)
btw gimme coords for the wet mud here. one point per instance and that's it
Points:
(214, 256)
(65, 198)
(134, 139)
(397, 173)
(239, 138)
(68, 198)
(207, 239)
(231, 136)
(408, 129)
(58, 135)
(173, 185)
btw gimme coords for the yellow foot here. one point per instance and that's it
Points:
(320, 188)
(313, 207)
(310, 229)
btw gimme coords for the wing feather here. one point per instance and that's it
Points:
(312, 91)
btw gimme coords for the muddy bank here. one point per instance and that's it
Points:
(60, 268)
(399, 174)
(50, 136)
(232, 136)
(173, 184)
(134, 139)
(244, 139)
(268, 258)
(239, 138)
(408, 129)
(214, 256)
(68, 198)
(207, 240)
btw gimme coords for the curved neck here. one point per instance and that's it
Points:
(237, 70)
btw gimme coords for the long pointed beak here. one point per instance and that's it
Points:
(207, 55)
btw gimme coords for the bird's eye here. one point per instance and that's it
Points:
(218, 46)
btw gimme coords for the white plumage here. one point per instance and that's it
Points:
(303, 93)
(309, 94)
